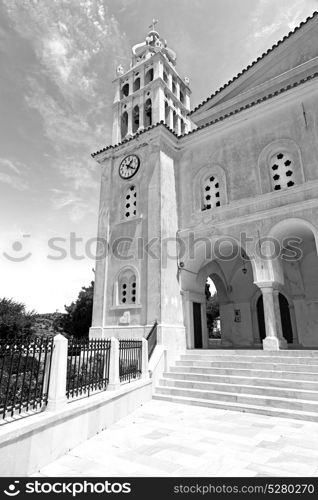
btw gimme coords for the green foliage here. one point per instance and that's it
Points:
(212, 310)
(78, 318)
(21, 379)
(83, 376)
(15, 321)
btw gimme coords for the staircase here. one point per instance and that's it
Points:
(277, 383)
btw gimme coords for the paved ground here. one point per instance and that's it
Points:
(168, 439)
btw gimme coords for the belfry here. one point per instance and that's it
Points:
(151, 91)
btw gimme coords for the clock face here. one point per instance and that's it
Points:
(129, 166)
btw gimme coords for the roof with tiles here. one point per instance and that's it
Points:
(227, 115)
(125, 141)
(217, 120)
(253, 63)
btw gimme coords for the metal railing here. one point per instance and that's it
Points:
(87, 367)
(152, 339)
(130, 360)
(24, 374)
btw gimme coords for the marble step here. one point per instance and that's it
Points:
(248, 408)
(248, 372)
(252, 359)
(306, 353)
(279, 392)
(242, 398)
(235, 379)
(235, 364)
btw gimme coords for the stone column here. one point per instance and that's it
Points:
(178, 125)
(57, 388)
(141, 111)
(274, 339)
(130, 118)
(114, 380)
(178, 90)
(144, 359)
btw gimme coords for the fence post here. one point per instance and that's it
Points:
(57, 388)
(144, 359)
(114, 380)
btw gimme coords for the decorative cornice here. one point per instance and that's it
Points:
(253, 63)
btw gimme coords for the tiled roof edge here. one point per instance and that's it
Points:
(253, 103)
(253, 63)
(125, 141)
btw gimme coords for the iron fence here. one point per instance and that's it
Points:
(152, 339)
(130, 356)
(24, 374)
(87, 367)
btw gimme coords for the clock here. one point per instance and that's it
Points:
(129, 166)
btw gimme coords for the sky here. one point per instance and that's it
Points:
(57, 60)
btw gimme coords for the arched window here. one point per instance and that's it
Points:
(124, 124)
(149, 76)
(280, 166)
(130, 203)
(165, 77)
(210, 193)
(148, 113)
(182, 99)
(135, 124)
(282, 170)
(136, 84)
(127, 287)
(125, 90)
(174, 87)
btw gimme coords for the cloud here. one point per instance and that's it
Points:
(12, 173)
(14, 181)
(75, 43)
(271, 20)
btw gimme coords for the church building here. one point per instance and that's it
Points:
(226, 191)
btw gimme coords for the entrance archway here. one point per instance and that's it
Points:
(287, 328)
(297, 269)
(231, 272)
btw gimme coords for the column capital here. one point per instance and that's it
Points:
(270, 285)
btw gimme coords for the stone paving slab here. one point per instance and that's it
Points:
(169, 439)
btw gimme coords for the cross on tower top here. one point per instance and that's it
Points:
(153, 24)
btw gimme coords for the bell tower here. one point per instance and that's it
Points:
(136, 281)
(150, 91)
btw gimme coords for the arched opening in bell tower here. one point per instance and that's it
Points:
(125, 90)
(136, 119)
(136, 84)
(149, 76)
(167, 113)
(148, 113)
(124, 124)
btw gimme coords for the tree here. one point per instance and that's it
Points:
(78, 317)
(14, 319)
(212, 308)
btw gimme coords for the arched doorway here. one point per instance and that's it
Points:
(287, 328)
(297, 268)
(212, 312)
(231, 272)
